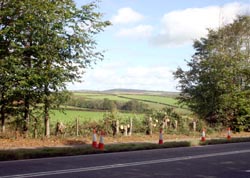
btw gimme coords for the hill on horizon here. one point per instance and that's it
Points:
(131, 91)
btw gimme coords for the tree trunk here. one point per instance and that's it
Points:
(46, 123)
(46, 112)
(2, 119)
(35, 128)
(26, 116)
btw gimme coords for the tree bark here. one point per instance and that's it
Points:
(2, 119)
(46, 113)
(35, 128)
(46, 122)
(26, 116)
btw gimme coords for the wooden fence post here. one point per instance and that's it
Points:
(117, 127)
(125, 130)
(176, 125)
(77, 127)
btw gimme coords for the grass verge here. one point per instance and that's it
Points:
(223, 141)
(18, 154)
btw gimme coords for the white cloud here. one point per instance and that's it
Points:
(183, 26)
(149, 78)
(126, 16)
(140, 31)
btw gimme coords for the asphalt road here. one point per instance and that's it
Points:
(222, 161)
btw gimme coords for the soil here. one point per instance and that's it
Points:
(60, 141)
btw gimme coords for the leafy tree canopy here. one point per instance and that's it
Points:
(43, 45)
(216, 85)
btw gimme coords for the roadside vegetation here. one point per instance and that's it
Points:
(6, 155)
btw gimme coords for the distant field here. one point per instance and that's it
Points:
(157, 101)
(160, 99)
(153, 98)
(154, 101)
(97, 96)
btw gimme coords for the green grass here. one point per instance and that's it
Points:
(159, 102)
(86, 94)
(68, 116)
(19, 154)
(223, 141)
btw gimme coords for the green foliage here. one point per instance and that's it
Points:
(165, 118)
(43, 45)
(216, 86)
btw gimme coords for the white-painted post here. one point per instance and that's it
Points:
(131, 126)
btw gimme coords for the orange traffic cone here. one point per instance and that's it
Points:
(228, 133)
(94, 139)
(161, 137)
(101, 143)
(203, 136)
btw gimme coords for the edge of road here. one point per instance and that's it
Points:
(45, 152)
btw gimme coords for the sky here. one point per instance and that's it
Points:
(150, 39)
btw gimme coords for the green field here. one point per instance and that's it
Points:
(69, 116)
(153, 98)
(154, 101)
(97, 96)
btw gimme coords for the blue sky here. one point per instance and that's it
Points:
(149, 39)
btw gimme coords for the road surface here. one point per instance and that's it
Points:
(222, 161)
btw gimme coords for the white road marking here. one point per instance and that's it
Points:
(113, 166)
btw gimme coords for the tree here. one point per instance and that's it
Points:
(52, 42)
(217, 82)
